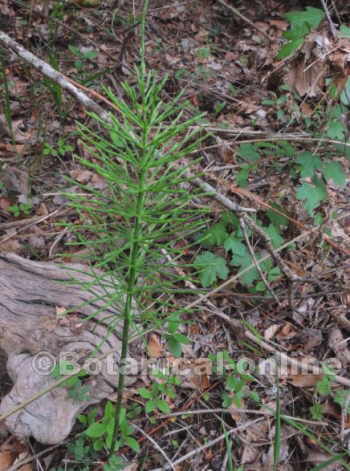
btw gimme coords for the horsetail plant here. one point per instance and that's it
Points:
(143, 210)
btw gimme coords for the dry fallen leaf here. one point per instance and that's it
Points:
(271, 331)
(11, 245)
(154, 347)
(304, 381)
(7, 457)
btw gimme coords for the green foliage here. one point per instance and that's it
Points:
(210, 267)
(236, 381)
(341, 397)
(20, 208)
(82, 56)
(144, 208)
(76, 389)
(302, 23)
(317, 411)
(164, 387)
(324, 386)
(344, 31)
(227, 234)
(312, 194)
(101, 433)
(60, 150)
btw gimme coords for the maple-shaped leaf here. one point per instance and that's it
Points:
(276, 217)
(215, 236)
(334, 171)
(276, 238)
(336, 129)
(235, 246)
(210, 267)
(312, 195)
(244, 261)
(308, 164)
(248, 152)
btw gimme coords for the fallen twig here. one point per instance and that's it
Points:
(54, 75)
(245, 19)
(292, 361)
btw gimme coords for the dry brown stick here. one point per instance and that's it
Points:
(54, 75)
(292, 361)
(215, 441)
(156, 446)
(265, 136)
(245, 19)
(26, 223)
(29, 459)
(218, 196)
(240, 410)
(329, 19)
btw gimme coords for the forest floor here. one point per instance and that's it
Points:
(277, 144)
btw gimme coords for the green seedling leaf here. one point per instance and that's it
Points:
(317, 411)
(298, 31)
(215, 236)
(248, 152)
(163, 406)
(324, 386)
(243, 262)
(174, 346)
(276, 238)
(242, 176)
(345, 94)
(313, 195)
(344, 31)
(145, 393)
(277, 219)
(312, 16)
(210, 267)
(334, 171)
(133, 444)
(182, 339)
(150, 407)
(96, 430)
(288, 48)
(309, 163)
(80, 392)
(336, 129)
(235, 246)
(274, 274)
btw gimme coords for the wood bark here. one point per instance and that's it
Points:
(49, 312)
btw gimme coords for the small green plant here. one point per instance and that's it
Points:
(76, 389)
(203, 52)
(302, 23)
(20, 208)
(317, 411)
(227, 235)
(60, 150)
(235, 379)
(324, 388)
(163, 387)
(145, 207)
(312, 170)
(101, 432)
(82, 57)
